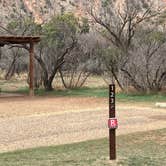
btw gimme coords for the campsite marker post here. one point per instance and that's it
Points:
(112, 123)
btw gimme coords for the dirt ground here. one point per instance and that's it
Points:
(26, 106)
(43, 121)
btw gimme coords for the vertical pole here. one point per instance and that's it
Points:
(31, 69)
(112, 132)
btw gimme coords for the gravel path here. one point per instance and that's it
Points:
(60, 127)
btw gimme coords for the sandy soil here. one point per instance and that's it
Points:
(26, 106)
(32, 122)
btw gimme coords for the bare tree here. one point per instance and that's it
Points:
(50, 61)
(146, 67)
(75, 72)
(61, 35)
(119, 26)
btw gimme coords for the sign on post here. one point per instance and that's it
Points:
(112, 123)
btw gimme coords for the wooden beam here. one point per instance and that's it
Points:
(31, 69)
(18, 39)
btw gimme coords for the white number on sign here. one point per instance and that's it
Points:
(112, 100)
(112, 94)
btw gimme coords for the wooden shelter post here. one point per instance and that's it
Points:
(31, 69)
(31, 40)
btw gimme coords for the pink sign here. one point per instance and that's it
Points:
(112, 123)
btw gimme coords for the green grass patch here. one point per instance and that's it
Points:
(84, 92)
(139, 149)
(141, 97)
(97, 92)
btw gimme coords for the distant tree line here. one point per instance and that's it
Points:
(126, 47)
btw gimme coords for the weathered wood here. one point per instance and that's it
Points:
(31, 69)
(32, 40)
(18, 40)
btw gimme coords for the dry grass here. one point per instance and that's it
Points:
(92, 82)
(17, 82)
(14, 83)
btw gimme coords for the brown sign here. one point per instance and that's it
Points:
(112, 123)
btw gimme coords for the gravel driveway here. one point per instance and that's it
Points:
(27, 130)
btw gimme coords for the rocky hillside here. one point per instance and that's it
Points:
(43, 9)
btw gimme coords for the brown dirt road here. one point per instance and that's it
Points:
(32, 122)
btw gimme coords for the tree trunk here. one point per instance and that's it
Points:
(11, 70)
(134, 83)
(48, 85)
(117, 80)
(62, 78)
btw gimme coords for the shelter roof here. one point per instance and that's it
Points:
(18, 39)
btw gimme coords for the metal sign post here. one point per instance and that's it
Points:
(112, 123)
